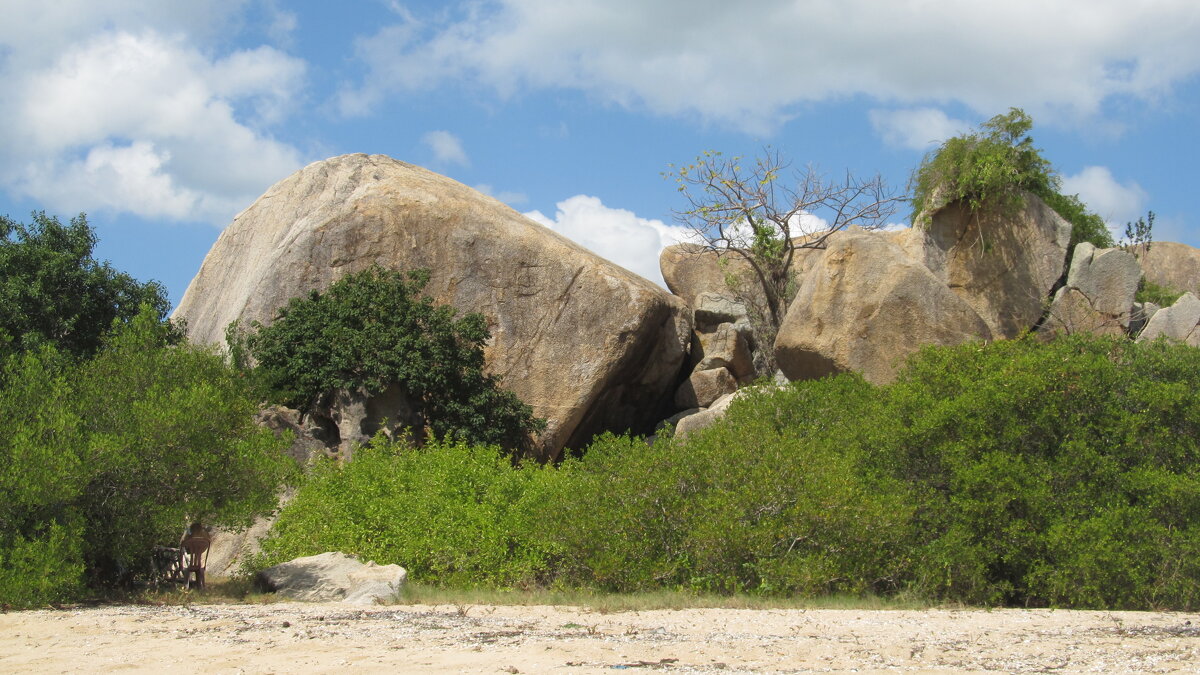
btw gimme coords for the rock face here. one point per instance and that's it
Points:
(589, 345)
(332, 577)
(1003, 266)
(1177, 322)
(865, 306)
(1099, 294)
(1176, 266)
(704, 387)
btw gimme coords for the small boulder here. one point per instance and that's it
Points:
(1172, 265)
(726, 347)
(1099, 294)
(1177, 322)
(333, 577)
(704, 387)
(706, 417)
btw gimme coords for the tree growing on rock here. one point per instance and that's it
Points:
(374, 329)
(991, 170)
(756, 215)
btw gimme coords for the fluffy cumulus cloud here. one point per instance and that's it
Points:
(1116, 202)
(750, 65)
(140, 117)
(915, 128)
(615, 234)
(446, 147)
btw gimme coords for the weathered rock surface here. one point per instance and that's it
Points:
(589, 345)
(691, 271)
(704, 387)
(725, 347)
(1176, 266)
(332, 577)
(865, 306)
(1003, 266)
(1099, 294)
(705, 417)
(1177, 322)
(308, 437)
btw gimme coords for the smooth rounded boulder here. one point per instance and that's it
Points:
(589, 345)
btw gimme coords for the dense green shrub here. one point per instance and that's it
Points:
(1020, 472)
(448, 512)
(53, 291)
(373, 329)
(105, 458)
(1042, 472)
(991, 170)
(1163, 296)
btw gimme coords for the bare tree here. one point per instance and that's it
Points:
(743, 209)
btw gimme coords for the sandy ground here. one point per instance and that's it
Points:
(299, 638)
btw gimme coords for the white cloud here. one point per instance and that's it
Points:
(447, 148)
(1117, 203)
(138, 120)
(915, 128)
(615, 234)
(750, 65)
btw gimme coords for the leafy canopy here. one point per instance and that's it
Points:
(991, 169)
(374, 328)
(54, 292)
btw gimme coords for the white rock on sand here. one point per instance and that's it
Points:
(298, 638)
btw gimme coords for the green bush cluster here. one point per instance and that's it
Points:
(449, 512)
(104, 458)
(1163, 296)
(991, 170)
(372, 329)
(1018, 472)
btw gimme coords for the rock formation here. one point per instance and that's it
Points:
(1099, 294)
(333, 577)
(1175, 266)
(1003, 266)
(1178, 322)
(589, 345)
(865, 306)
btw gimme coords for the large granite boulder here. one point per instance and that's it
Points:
(333, 577)
(1178, 322)
(865, 306)
(1175, 266)
(589, 345)
(1003, 265)
(1099, 294)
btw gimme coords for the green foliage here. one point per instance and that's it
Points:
(54, 292)
(1045, 472)
(105, 458)
(1020, 472)
(1163, 296)
(1139, 236)
(448, 512)
(991, 169)
(372, 329)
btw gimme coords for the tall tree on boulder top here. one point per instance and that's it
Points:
(743, 210)
(54, 292)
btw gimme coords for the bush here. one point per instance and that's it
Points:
(991, 170)
(450, 513)
(1163, 296)
(120, 452)
(373, 329)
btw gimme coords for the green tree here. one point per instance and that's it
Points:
(991, 170)
(104, 458)
(53, 291)
(754, 213)
(374, 329)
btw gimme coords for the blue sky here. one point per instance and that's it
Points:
(164, 119)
